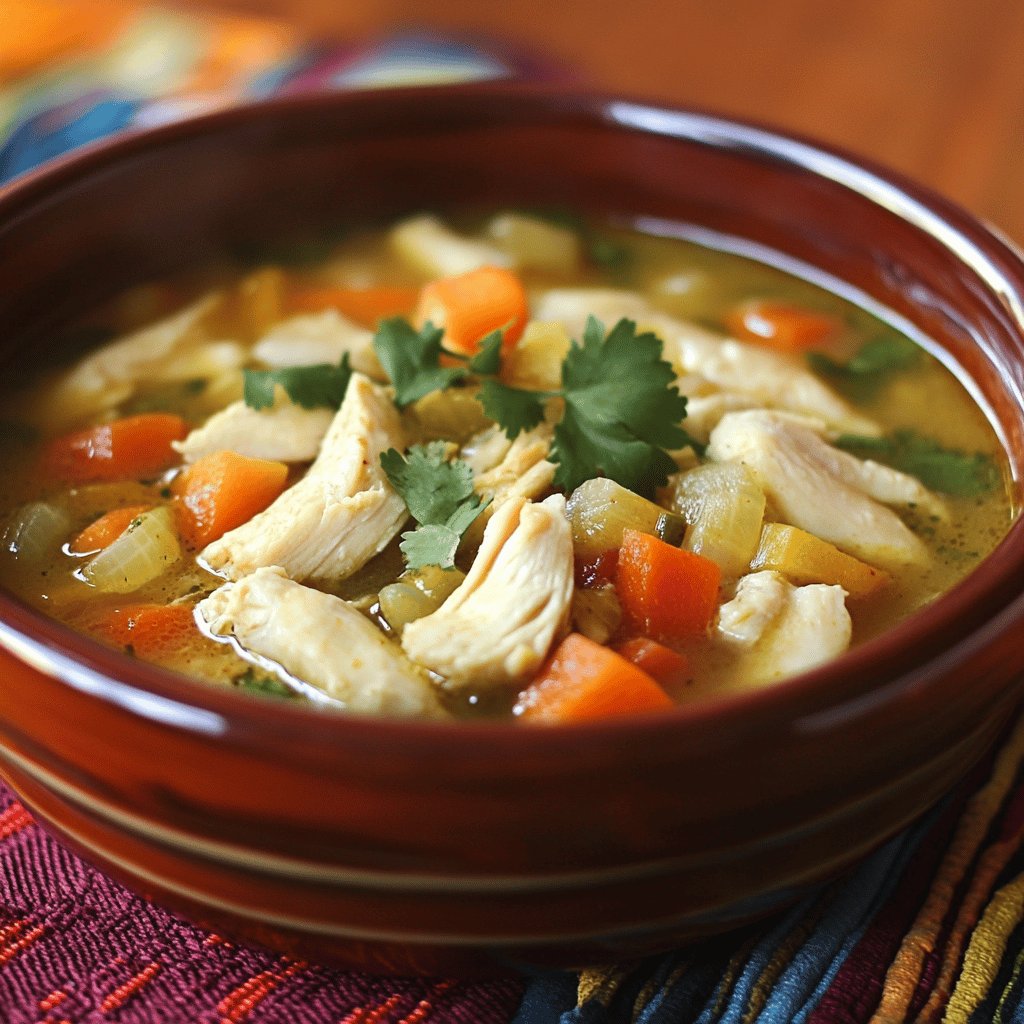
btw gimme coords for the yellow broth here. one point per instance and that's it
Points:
(680, 278)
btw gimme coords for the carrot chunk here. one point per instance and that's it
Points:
(666, 592)
(367, 306)
(583, 680)
(469, 306)
(150, 630)
(105, 530)
(222, 491)
(129, 448)
(668, 667)
(780, 325)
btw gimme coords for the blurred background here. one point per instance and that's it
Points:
(934, 88)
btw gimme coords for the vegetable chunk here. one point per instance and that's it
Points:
(667, 593)
(583, 681)
(129, 448)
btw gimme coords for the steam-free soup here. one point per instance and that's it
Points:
(517, 467)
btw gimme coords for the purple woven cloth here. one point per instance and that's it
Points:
(77, 948)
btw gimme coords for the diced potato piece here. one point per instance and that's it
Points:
(596, 612)
(600, 509)
(724, 506)
(535, 243)
(433, 249)
(535, 363)
(144, 551)
(804, 558)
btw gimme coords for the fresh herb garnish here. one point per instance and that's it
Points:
(948, 470)
(440, 497)
(269, 686)
(313, 387)
(622, 410)
(862, 376)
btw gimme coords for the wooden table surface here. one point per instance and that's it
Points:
(934, 88)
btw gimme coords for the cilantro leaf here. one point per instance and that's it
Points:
(412, 360)
(948, 470)
(487, 360)
(440, 497)
(313, 387)
(867, 370)
(513, 409)
(622, 410)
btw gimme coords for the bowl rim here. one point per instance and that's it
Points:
(163, 695)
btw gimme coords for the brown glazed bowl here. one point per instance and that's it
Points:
(476, 848)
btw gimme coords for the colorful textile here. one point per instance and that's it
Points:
(928, 929)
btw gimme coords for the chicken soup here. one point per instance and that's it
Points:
(517, 466)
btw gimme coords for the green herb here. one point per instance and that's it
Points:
(875, 361)
(412, 360)
(440, 497)
(622, 410)
(487, 360)
(942, 469)
(313, 387)
(268, 686)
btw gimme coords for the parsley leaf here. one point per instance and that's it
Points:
(942, 469)
(313, 387)
(440, 497)
(412, 360)
(863, 375)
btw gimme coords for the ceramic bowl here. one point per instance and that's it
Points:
(476, 848)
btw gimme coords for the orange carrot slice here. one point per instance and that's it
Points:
(661, 663)
(666, 592)
(105, 530)
(131, 448)
(583, 680)
(470, 306)
(781, 325)
(222, 491)
(150, 630)
(367, 306)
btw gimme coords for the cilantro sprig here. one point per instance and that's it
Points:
(440, 497)
(321, 385)
(622, 410)
(964, 474)
(412, 359)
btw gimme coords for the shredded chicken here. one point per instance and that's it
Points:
(780, 629)
(319, 338)
(572, 307)
(284, 433)
(340, 514)
(823, 490)
(321, 640)
(496, 628)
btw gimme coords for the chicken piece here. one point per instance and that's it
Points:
(774, 379)
(318, 640)
(340, 514)
(764, 377)
(704, 411)
(432, 248)
(497, 627)
(110, 374)
(319, 338)
(823, 490)
(284, 433)
(572, 307)
(780, 629)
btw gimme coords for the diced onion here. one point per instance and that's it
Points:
(724, 506)
(417, 593)
(600, 509)
(142, 553)
(36, 532)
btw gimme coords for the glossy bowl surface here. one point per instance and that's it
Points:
(481, 848)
